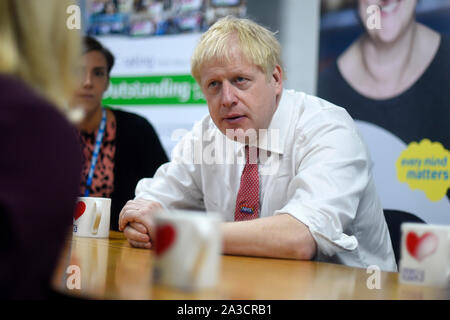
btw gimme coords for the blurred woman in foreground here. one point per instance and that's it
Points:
(40, 160)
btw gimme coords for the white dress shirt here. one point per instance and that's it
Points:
(314, 167)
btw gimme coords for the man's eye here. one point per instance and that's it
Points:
(240, 79)
(100, 73)
(212, 84)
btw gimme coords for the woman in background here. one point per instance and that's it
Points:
(396, 77)
(129, 146)
(40, 160)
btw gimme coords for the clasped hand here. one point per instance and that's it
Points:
(136, 220)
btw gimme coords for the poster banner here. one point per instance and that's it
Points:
(388, 64)
(154, 90)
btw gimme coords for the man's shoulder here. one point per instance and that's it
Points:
(318, 110)
(291, 96)
(308, 102)
(307, 109)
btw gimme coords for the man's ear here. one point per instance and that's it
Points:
(277, 78)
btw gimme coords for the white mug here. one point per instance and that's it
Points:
(92, 217)
(188, 249)
(425, 255)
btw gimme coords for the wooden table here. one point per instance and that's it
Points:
(111, 269)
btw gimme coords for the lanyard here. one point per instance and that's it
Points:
(98, 143)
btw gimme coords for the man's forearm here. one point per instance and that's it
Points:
(280, 236)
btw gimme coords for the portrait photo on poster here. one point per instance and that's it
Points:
(388, 65)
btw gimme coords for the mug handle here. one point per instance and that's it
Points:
(201, 256)
(97, 217)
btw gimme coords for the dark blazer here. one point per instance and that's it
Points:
(40, 167)
(139, 154)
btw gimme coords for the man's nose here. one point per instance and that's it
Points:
(229, 98)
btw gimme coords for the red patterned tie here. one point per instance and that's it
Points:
(247, 201)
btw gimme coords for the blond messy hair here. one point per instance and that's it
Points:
(37, 47)
(258, 45)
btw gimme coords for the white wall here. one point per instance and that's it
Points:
(297, 23)
(299, 38)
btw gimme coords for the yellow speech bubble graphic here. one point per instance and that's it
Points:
(425, 166)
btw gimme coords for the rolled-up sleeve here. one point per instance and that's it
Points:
(332, 173)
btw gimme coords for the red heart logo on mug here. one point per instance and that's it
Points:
(421, 247)
(165, 236)
(80, 208)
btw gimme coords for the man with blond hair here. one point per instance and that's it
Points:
(320, 203)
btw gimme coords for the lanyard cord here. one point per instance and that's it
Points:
(98, 143)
